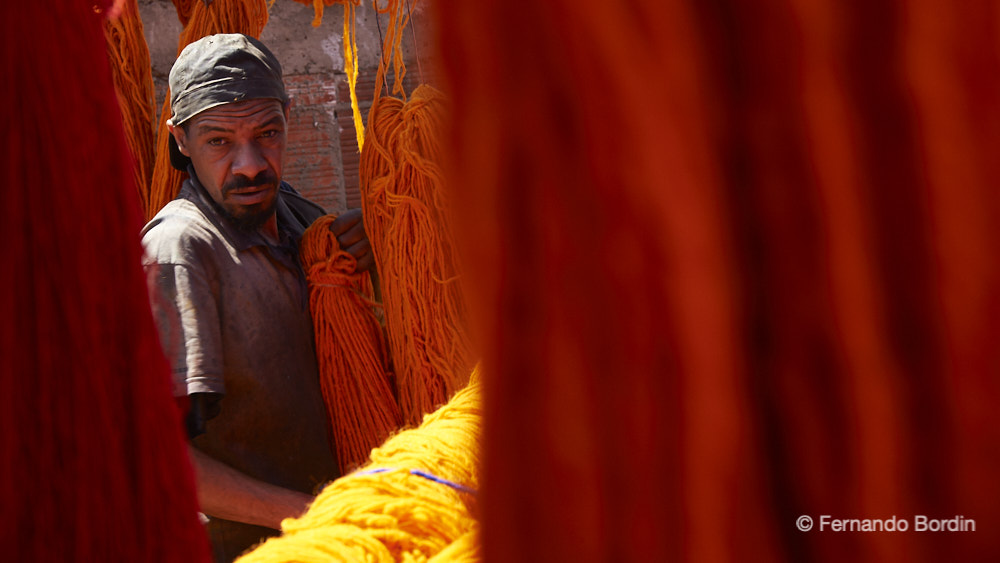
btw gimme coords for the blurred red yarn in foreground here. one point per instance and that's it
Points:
(94, 463)
(734, 263)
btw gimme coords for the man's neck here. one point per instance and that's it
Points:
(270, 229)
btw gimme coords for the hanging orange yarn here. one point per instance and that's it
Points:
(130, 68)
(406, 217)
(392, 51)
(350, 348)
(221, 16)
(405, 212)
(184, 8)
(318, 6)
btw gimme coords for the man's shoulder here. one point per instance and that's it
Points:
(179, 234)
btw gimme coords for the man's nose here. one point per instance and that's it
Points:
(248, 160)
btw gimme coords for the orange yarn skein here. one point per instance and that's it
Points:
(184, 9)
(350, 348)
(405, 213)
(133, 77)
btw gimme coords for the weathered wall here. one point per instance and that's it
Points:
(322, 151)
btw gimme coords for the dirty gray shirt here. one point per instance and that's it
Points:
(233, 315)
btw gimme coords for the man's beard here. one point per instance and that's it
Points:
(251, 218)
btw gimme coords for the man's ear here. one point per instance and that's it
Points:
(180, 135)
(288, 107)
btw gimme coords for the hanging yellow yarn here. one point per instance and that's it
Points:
(221, 16)
(391, 47)
(393, 509)
(350, 53)
(133, 78)
(351, 68)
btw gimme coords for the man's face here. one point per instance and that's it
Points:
(237, 151)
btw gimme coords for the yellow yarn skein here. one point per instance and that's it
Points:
(393, 509)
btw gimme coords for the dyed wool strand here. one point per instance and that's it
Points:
(133, 78)
(94, 458)
(392, 51)
(318, 7)
(221, 16)
(353, 360)
(184, 9)
(386, 513)
(406, 216)
(350, 54)
(763, 282)
(351, 69)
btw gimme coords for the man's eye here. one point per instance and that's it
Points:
(216, 141)
(269, 133)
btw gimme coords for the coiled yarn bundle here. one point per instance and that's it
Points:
(415, 501)
(350, 348)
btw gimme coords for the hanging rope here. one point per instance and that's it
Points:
(221, 16)
(133, 77)
(353, 360)
(415, 500)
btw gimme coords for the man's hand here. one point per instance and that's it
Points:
(349, 228)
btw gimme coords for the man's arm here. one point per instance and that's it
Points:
(226, 493)
(185, 310)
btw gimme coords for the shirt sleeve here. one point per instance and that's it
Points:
(186, 312)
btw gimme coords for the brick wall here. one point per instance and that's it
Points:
(313, 161)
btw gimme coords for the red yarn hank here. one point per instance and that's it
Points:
(94, 458)
(734, 264)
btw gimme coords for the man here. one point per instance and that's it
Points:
(230, 296)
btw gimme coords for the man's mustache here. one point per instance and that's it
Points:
(240, 182)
